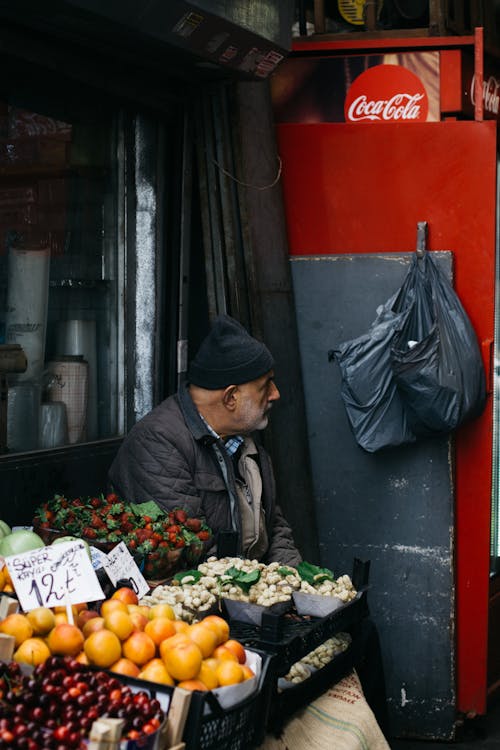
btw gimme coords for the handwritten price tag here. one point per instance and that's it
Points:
(55, 575)
(121, 564)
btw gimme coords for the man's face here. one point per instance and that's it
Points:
(255, 399)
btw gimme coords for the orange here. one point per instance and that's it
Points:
(161, 610)
(156, 671)
(42, 620)
(65, 640)
(159, 629)
(229, 673)
(32, 651)
(181, 626)
(208, 673)
(219, 625)
(126, 594)
(237, 648)
(95, 623)
(61, 618)
(248, 673)
(174, 640)
(102, 648)
(139, 621)
(84, 615)
(109, 605)
(224, 654)
(3, 579)
(17, 625)
(183, 661)
(204, 637)
(191, 685)
(119, 623)
(139, 648)
(142, 609)
(125, 666)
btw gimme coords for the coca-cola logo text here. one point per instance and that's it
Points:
(386, 93)
(491, 97)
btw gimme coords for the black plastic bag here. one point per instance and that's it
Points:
(417, 370)
(372, 401)
(435, 355)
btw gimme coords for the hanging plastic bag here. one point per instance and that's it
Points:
(373, 403)
(435, 355)
(418, 370)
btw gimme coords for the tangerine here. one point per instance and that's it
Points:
(237, 648)
(229, 673)
(126, 594)
(42, 620)
(204, 637)
(161, 610)
(32, 651)
(139, 647)
(224, 654)
(65, 640)
(183, 661)
(156, 671)
(119, 623)
(17, 625)
(159, 629)
(95, 623)
(219, 625)
(125, 666)
(109, 605)
(248, 673)
(102, 648)
(208, 673)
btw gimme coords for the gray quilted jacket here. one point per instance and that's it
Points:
(169, 456)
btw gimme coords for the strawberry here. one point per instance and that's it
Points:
(180, 515)
(193, 524)
(203, 536)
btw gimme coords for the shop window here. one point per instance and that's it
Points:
(60, 278)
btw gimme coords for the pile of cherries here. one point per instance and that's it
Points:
(54, 707)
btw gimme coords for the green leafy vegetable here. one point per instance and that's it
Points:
(242, 579)
(285, 571)
(313, 574)
(150, 508)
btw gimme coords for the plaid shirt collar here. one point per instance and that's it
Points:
(231, 444)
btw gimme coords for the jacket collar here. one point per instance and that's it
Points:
(194, 422)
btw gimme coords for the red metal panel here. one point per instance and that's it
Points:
(363, 188)
(451, 80)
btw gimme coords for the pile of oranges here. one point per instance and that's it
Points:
(132, 639)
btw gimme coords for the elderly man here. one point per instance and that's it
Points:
(196, 449)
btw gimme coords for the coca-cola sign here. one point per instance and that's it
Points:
(491, 94)
(386, 93)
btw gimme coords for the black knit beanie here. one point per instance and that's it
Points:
(229, 356)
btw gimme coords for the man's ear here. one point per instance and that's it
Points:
(229, 397)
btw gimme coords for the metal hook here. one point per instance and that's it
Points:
(421, 238)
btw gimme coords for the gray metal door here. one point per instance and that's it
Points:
(393, 507)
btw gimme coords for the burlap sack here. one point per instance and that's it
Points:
(340, 719)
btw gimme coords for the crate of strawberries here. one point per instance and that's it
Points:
(161, 542)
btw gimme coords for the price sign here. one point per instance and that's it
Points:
(55, 575)
(121, 564)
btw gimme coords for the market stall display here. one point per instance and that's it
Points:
(248, 642)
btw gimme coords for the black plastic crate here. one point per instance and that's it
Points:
(289, 637)
(285, 702)
(241, 727)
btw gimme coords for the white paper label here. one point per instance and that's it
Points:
(53, 576)
(121, 564)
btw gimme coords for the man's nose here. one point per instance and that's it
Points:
(274, 393)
